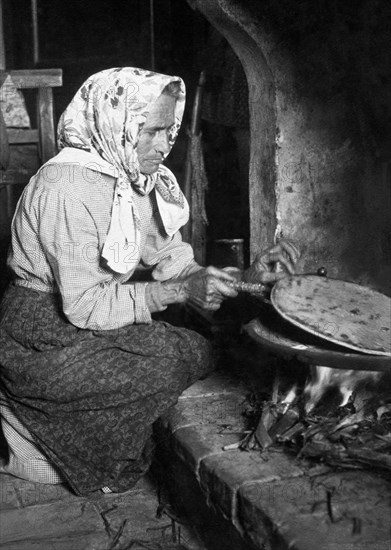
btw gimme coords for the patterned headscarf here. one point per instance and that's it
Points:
(105, 119)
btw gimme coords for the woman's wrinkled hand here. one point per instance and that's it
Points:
(263, 268)
(208, 288)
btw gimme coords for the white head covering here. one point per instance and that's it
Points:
(103, 122)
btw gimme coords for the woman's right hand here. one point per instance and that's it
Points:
(208, 287)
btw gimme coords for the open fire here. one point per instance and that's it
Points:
(340, 417)
(347, 382)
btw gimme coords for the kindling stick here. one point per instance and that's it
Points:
(257, 288)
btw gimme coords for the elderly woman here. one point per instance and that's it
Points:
(96, 249)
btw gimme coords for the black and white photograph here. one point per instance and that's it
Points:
(195, 275)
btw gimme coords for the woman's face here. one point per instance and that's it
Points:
(153, 144)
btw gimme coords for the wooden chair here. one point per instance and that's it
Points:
(24, 150)
(43, 137)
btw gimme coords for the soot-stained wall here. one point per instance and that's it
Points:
(319, 87)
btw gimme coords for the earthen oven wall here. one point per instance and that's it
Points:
(320, 167)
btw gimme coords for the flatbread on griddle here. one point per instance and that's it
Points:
(345, 313)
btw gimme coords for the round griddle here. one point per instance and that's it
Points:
(344, 313)
(280, 337)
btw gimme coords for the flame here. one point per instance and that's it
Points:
(323, 378)
(289, 398)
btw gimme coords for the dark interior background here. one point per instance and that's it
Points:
(340, 52)
(85, 37)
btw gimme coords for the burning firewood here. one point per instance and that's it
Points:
(293, 432)
(287, 420)
(355, 435)
(262, 437)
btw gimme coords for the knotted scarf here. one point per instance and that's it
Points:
(100, 128)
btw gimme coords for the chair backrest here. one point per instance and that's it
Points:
(25, 149)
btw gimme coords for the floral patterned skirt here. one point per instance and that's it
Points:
(89, 398)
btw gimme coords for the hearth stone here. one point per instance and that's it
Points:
(245, 500)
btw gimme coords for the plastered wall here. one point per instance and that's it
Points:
(320, 156)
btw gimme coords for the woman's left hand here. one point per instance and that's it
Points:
(263, 270)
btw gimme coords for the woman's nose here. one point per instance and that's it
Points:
(162, 144)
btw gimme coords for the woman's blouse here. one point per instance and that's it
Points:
(58, 233)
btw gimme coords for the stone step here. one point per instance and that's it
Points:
(272, 500)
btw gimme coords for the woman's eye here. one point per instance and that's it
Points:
(147, 132)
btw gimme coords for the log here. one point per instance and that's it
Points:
(380, 460)
(262, 436)
(286, 421)
(267, 416)
(291, 434)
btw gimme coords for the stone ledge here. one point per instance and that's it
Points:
(218, 383)
(274, 503)
(208, 417)
(340, 511)
(222, 476)
(221, 411)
